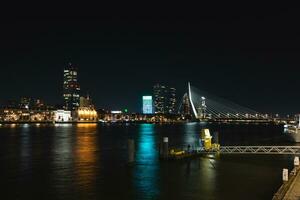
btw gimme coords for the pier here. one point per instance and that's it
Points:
(210, 145)
(290, 189)
(267, 150)
(290, 150)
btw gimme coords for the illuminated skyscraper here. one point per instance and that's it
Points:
(186, 105)
(171, 100)
(159, 98)
(71, 88)
(164, 99)
(147, 105)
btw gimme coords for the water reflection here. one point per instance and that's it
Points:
(62, 158)
(191, 137)
(86, 161)
(25, 144)
(85, 158)
(146, 171)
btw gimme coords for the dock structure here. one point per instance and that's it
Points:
(290, 150)
(209, 145)
(290, 189)
(294, 191)
(267, 150)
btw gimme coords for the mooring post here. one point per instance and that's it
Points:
(296, 162)
(165, 147)
(285, 175)
(131, 151)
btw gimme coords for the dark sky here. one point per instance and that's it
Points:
(249, 55)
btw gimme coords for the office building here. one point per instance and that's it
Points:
(71, 88)
(164, 99)
(186, 108)
(147, 105)
(171, 100)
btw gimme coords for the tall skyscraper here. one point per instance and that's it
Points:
(164, 99)
(147, 105)
(186, 108)
(71, 88)
(159, 98)
(171, 100)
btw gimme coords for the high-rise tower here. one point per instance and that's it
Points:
(147, 105)
(71, 88)
(186, 105)
(164, 99)
(171, 100)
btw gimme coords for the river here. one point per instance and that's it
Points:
(89, 161)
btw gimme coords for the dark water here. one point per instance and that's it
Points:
(88, 161)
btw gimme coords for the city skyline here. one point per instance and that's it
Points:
(247, 59)
(140, 100)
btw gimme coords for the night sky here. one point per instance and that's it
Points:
(249, 55)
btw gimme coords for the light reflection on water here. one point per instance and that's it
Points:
(88, 161)
(62, 158)
(25, 143)
(146, 170)
(85, 156)
(191, 135)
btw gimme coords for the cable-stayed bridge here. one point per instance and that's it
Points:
(202, 105)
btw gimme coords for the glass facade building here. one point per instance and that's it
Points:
(147, 105)
(71, 88)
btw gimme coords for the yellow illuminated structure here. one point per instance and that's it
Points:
(206, 138)
(174, 152)
(86, 114)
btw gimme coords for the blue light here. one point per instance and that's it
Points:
(147, 105)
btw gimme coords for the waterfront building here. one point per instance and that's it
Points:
(147, 105)
(71, 88)
(25, 103)
(86, 111)
(25, 115)
(38, 104)
(164, 99)
(85, 102)
(86, 114)
(32, 103)
(62, 116)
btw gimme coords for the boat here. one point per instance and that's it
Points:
(293, 131)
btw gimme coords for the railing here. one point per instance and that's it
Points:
(260, 149)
